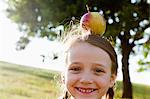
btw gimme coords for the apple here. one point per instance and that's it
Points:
(94, 22)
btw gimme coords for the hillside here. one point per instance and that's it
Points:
(23, 82)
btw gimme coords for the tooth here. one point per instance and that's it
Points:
(85, 90)
(88, 91)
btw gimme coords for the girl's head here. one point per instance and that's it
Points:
(91, 67)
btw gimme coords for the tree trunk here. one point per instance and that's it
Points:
(127, 86)
(126, 50)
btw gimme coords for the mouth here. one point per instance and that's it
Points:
(85, 90)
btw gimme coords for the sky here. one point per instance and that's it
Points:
(9, 35)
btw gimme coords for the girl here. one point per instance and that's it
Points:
(91, 67)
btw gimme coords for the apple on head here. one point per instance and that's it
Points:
(94, 22)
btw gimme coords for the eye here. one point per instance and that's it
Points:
(75, 68)
(98, 70)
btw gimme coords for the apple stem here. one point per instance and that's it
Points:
(87, 8)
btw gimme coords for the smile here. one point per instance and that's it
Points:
(85, 90)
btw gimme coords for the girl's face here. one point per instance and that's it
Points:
(88, 74)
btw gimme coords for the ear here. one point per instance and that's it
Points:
(112, 80)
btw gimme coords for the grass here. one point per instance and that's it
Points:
(140, 91)
(21, 82)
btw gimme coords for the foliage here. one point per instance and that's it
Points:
(38, 18)
(145, 62)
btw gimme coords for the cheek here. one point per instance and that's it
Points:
(70, 78)
(103, 81)
(70, 81)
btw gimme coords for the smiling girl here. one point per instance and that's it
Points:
(91, 67)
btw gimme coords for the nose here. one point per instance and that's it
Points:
(86, 78)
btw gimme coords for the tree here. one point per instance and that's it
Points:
(126, 21)
(38, 18)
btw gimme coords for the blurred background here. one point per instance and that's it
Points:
(29, 33)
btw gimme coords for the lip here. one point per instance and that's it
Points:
(86, 91)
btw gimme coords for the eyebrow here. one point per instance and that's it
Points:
(74, 63)
(98, 64)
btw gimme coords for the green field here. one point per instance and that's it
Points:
(21, 82)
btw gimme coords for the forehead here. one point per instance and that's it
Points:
(83, 51)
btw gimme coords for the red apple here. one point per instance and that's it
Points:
(94, 22)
